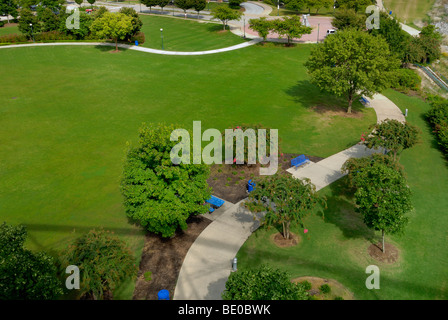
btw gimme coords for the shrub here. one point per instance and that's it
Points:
(338, 298)
(53, 36)
(437, 116)
(139, 36)
(2, 23)
(306, 285)
(406, 80)
(235, 4)
(325, 288)
(13, 38)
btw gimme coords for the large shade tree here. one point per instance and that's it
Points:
(159, 194)
(114, 26)
(352, 63)
(284, 199)
(225, 14)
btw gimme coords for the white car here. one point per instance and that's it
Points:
(330, 31)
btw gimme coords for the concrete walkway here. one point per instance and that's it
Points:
(138, 48)
(207, 264)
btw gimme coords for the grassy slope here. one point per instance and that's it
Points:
(9, 30)
(337, 247)
(409, 10)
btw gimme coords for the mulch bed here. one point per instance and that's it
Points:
(229, 182)
(391, 255)
(281, 242)
(164, 257)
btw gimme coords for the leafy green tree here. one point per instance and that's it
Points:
(263, 283)
(150, 3)
(294, 4)
(392, 32)
(285, 199)
(319, 4)
(100, 12)
(91, 2)
(235, 4)
(352, 63)
(413, 51)
(184, 4)
(392, 135)
(136, 22)
(159, 194)
(354, 166)
(9, 8)
(85, 22)
(291, 27)
(26, 18)
(51, 4)
(104, 262)
(49, 20)
(349, 19)
(163, 3)
(24, 274)
(383, 198)
(199, 5)
(357, 5)
(262, 26)
(113, 26)
(225, 14)
(79, 2)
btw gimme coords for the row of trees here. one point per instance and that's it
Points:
(103, 24)
(289, 27)
(358, 5)
(104, 263)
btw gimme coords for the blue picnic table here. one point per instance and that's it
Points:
(214, 202)
(296, 162)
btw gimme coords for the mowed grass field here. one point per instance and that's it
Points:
(409, 10)
(336, 247)
(67, 113)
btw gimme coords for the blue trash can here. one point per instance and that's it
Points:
(163, 295)
(136, 42)
(250, 185)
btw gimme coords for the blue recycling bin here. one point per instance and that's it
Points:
(163, 295)
(136, 42)
(250, 185)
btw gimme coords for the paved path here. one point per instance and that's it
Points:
(207, 264)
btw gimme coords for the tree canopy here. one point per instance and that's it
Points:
(263, 283)
(352, 63)
(159, 194)
(112, 25)
(225, 14)
(285, 199)
(24, 274)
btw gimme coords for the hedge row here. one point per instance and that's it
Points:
(437, 116)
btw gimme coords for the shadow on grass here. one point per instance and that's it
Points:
(310, 95)
(341, 212)
(109, 47)
(434, 140)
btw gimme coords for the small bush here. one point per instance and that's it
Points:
(338, 298)
(325, 288)
(2, 23)
(139, 36)
(306, 285)
(13, 38)
(407, 79)
(53, 36)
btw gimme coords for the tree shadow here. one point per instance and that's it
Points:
(341, 212)
(110, 47)
(309, 95)
(434, 143)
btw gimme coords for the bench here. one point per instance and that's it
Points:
(365, 102)
(296, 162)
(215, 202)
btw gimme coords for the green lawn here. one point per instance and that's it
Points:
(9, 30)
(337, 246)
(409, 10)
(67, 112)
(185, 35)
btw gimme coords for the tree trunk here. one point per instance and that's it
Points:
(395, 155)
(384, 249)
(116, 44)
(350, 101)
(286, 230)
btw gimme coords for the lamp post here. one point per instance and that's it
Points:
(318, 32)
(161, 35)
(278, 8)
(32, 34)
(244, 27)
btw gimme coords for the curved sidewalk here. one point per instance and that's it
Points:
(138, 48)
(208, 262)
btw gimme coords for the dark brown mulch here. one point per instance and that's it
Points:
(281, 242)
(391, 255)
(164, 258)
(229, 182)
